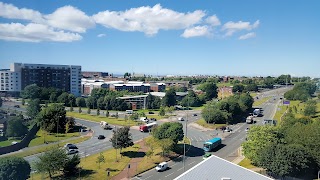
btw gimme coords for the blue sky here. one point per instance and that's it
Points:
(181, 37)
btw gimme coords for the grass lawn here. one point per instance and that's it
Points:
(45, 148)
(224, 84)
(91, 170)
(50, 137)
(8, 142)
(110, 120)
(260, 101)
(253, 94)
(203, 123)
(198, 108)
(224, 95)
(246, 163)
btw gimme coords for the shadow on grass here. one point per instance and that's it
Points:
(84, 173)
(133, 154)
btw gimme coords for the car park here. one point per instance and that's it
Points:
(101, 137)
(205, 156)
(162, 166)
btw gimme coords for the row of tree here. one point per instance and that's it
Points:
(229, 110)
(301, 91)
(291, 149)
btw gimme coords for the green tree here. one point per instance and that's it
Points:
(170, 98)
(166, 145)
(33, 108)
(134, 116)
(152, 143)
(16, 128)
(64, 98)
(237, 88)
(98, 112)
(210, 90)
(121, 138)
(213, 115)
(53, 97)
(310, 108)
(259, 138)
(80, 102)
(51, 162)
(100, 159)
(71, 100)
(70, 165)
(251, 87)
(245, 102)
(80, 109)
(23, 102)
(172, 130)
(286, 160)
(52, 118)
(14, 168)
(31, 91)
(0, 102)
(89, 111)
(153, 102)
(162, 111)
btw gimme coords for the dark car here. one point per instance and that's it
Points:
(101, 137)
(153, 119)
(223, 128)
(150, 112)
(16, 106)
(194, 114)
(70, 146)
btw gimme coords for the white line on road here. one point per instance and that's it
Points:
(148, 177)
(169, 174)
(191, 163)
(179, 169)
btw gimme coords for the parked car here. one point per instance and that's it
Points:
(228, 129)
(70, 146)
(205, 156)
(194, 114)
(101, 137)
(144, 119)
(223, 128)
(150, 112)
(72, 151)
(153, 119)
(162, 166)
(16, 106)
(180, 119)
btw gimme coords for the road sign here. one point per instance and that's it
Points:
(286, 102)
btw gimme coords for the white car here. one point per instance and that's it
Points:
(162, 166)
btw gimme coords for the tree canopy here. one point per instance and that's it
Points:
(16, 127)
(171, 130)
(170, 98)
(121, 138)
(14, 168)
(51, 117)
(33, 108)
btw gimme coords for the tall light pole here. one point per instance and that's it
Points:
(58, 128)
(116, 136)
(185, 137)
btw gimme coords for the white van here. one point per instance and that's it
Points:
(144, 119)
(180, 119)
(162, 166)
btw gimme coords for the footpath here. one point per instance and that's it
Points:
(127, 173)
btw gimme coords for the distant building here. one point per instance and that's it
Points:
(92, 74)
(178, 83)
(216, 168)
(137, 102)
(157, 87)
(89, 84)
(64, 77)
(131, 87)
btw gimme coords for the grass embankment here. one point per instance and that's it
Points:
(260, 101)
(110, 120)
(246, 163)
(45, 148)
(8, 142)
(42, 136)
(203, 123)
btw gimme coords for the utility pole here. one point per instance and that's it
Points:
(185, 137)
(116, 134)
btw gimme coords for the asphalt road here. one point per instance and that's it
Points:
(230, 144)
(94, 145)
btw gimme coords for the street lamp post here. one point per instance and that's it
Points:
(58, 128)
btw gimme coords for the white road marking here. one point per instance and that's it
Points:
(191, 163)
(169, 174)
(148, 177)
(179, 169)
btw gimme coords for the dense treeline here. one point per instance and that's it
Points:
(301, 91)
(229, 110)
(291, 149)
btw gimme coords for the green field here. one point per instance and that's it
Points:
(42, 136)
(110, 120)
(37, 150)
(246, 163)
(203, 123)
(8, 142)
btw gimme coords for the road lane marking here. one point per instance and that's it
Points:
(191, 163)
(179, 169)
(169, 174)
(148, 177)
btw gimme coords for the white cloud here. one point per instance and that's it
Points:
(247, 36)
(35, 33)
(11, 12)
(101, 35)
(148, 19)
(213, 20)
(70, 18)
(196, 32)
(232, 27)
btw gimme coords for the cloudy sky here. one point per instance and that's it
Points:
(165, 37)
